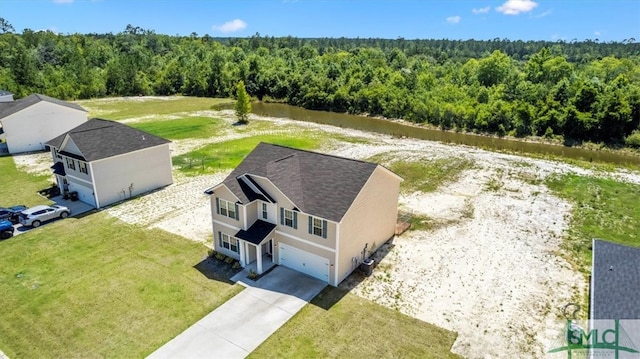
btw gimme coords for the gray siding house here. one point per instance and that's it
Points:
(107, 162)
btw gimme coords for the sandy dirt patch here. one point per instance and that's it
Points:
(489, 270)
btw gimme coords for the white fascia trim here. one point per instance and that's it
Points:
(336, 262)
(226, 225)
(305, 241)
(213, 190)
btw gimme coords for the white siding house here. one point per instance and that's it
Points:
(107, 162)
(27, 124)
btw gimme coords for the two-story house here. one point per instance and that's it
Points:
(319, 214)
(106, 162)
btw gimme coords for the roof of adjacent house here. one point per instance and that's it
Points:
(615, 281)
(8, 108)
(97, 139)
(5, 93)
(318, 184)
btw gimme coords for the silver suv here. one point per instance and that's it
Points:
(34, 216)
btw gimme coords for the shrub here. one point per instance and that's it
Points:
(228, 260)
(252, 274)
(236, 265)
(219, 256)
(212, 253)
(633, 140)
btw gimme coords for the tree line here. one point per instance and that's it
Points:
(579, 91)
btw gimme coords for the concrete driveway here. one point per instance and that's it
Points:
(240, 325)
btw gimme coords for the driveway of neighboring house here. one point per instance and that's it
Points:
(240, 325)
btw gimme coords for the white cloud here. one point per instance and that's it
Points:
(546, 13)
(63, 1)
(597, 33)
(454, 19)
(482, 10)
(230, 26)
(515, 7)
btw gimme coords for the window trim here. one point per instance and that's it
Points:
(283, 218)
(82, 167)
(321, 230)
(227, 208)
(71, 163)
(228, 242)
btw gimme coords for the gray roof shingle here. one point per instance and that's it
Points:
(318, 184)
(615, 279)
(97, 139)
(8, 108)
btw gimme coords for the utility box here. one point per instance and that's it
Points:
(367, 266)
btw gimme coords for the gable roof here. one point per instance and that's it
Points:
(97, 139)
(318, 184)
(8, 108)
(615, 281)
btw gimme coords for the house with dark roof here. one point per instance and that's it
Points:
(28, 123)
(319, 214)
(615, 281)
(105, 162)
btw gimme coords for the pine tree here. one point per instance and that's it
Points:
(243, 104)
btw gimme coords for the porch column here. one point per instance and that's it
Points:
(242, 253)
(259, 255)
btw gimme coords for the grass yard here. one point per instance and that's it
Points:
(20, 187)
(424, 176)
(132, 107)
(603, 208)
(183, 128)
(351, 327)
(228, 154)
(96, 287)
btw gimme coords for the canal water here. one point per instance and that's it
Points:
(400, 129)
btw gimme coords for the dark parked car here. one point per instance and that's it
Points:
(11, 214)
(6, 229)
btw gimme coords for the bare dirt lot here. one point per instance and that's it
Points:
(489, 269)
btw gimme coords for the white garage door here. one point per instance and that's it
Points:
(85, 194)
(304, 262)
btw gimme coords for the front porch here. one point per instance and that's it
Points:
(267, 265)
(256, 246)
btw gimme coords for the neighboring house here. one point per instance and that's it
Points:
(27, 124)
(615, 281)
(107, 162)
(315, 213)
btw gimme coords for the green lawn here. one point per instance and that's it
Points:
(228, 154)
(603, 208)
(96, 287)
(134, 107)
(183, 128)
(340, 325)
(20, 187)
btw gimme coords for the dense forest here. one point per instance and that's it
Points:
(577, 91)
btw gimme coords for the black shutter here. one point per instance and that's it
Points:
(217, 205)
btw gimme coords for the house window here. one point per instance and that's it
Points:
(71, 164)
(228, 242)
(318, 227)
(288, 218)
(83, 167)
(226, 208)
(264, 211)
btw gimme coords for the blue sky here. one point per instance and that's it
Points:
(605, 20)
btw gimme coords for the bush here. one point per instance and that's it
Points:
(212, 253)
(228, 260)
(633, 140)
(253, 274)
(219, 256)
(236, 265)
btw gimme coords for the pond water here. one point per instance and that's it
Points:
(400, 129)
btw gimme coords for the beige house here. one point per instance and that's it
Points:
(321, 215)
(106, 162)
(28, 123)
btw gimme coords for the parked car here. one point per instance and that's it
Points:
(6, 229)
(11, 213)
(34, 216)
